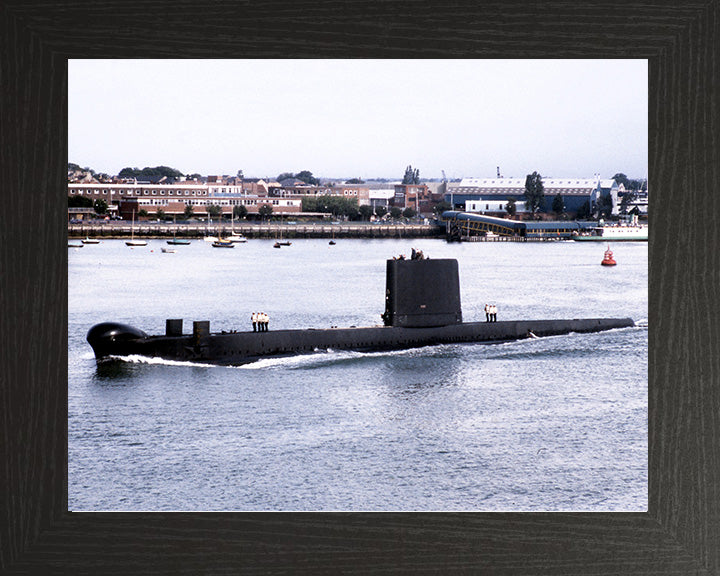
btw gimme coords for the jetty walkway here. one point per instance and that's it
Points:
(255, 230)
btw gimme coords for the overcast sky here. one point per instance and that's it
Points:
(361, 118)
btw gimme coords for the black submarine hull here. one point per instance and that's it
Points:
(112, 339)
(422, 308)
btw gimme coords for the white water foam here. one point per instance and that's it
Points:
(138, 359)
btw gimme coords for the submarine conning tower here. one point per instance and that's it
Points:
(422, 293)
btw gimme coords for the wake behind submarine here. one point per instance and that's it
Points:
(422, 308)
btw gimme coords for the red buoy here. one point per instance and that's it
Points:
(608, 260)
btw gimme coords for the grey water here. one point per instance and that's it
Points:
(546, 424)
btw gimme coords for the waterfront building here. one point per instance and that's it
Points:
(416, 196)
(495, 191)
(172, 199)
(379, 197)
(359, 192)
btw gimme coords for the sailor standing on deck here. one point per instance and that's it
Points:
(254, 320)
(487, 312)
(494, 312)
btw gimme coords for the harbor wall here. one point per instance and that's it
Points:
(111, 230)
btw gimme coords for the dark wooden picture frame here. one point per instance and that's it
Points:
(680, 532)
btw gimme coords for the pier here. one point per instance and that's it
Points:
(271, 230)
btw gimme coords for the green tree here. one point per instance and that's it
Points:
(628, 198)
(411, 176)
(441, 207)
(365, 211)
(335, 205)
(160, 214)
(395, 212)
(511, 207)
(355, 181)
(605, 205)
(147, 172)
(558, 205)
(265, 210)
(240, 211)
(79, 202)
(408, 212)
(284, 176)
(100, 206)
(380, 211)
(630, 184)
(214, 210)
(534, 193)
(620, 178)
(307, 177)
(142, 213)
(584, 211)
(188, 213)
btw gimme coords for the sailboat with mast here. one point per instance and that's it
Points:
(280, 241)
(132, 242)
(208, 237)
(233, 236)
(175, 240)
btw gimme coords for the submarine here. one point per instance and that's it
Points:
(422, 308)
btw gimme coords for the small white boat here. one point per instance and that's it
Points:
(91, 241)
(75, 245)
(132, 242)
(168, 250)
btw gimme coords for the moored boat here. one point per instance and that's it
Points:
(88, 240)
(234, 236)
(177, 241)
(223, 244)
(132, 242)
(603, 233)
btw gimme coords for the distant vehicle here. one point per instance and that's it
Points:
(75, 221)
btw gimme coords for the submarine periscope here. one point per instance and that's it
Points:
(422, 308)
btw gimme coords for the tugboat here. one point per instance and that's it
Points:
(608, 260)
(422, 308)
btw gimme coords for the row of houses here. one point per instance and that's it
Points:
(481, 195)
(285, 198)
